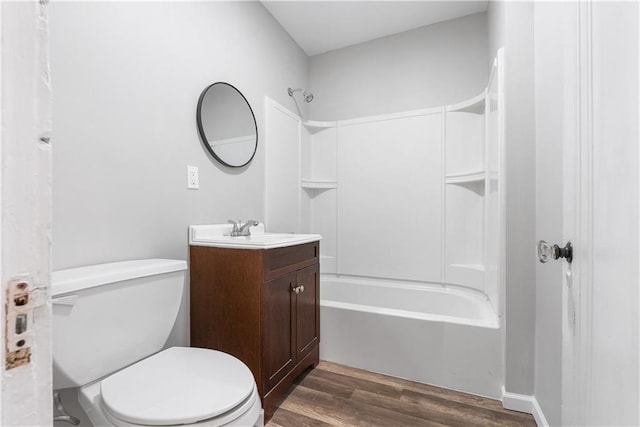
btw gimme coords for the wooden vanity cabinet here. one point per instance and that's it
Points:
(262, 306)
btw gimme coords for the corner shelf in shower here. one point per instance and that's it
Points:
(474, 105)
(474, 267)
(465, 181)
(318, 184)
(315, 187)
(465, 178)
(314, 126)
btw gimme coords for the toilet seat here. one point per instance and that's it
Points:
(178, 386)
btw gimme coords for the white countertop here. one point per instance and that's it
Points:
(218, 235)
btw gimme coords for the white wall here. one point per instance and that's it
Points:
(511, 26)
(126, 80)
(555, 31)
(26, 200)
(435, 65)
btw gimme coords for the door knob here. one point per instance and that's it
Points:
(547, 252)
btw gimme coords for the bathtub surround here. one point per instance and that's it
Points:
(377, 212)
(347, 180)
(440, 235)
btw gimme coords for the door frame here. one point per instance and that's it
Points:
(2, 287)
(25, 231)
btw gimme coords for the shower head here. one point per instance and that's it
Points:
(307, 96)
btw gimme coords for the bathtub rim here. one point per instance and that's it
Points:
(491, 322)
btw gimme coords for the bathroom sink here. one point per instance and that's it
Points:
(218, 235)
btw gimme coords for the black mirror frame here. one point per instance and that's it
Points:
(203, 137)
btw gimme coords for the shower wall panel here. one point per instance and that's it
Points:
(282, 170)
(494, 208)
(390, 198)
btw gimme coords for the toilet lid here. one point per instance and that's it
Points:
(177, 386)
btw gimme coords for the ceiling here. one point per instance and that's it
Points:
(321, 26)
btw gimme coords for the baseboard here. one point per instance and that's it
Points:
(517, 402)
(538, 415)
(524, 403)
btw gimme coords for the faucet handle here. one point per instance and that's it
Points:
(236, 226)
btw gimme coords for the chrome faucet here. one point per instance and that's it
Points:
(242, 229)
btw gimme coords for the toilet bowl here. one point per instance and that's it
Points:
(109, 323)
(176, 386)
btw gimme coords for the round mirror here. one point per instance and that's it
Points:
(227, 125)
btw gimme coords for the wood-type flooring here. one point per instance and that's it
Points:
(336, 395)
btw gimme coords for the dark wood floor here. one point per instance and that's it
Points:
(336, 395)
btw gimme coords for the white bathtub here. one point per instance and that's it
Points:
(434, 335)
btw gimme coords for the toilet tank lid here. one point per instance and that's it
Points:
(78, 278)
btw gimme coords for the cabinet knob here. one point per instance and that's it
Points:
(298, 289)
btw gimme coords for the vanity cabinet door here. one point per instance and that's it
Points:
(279, 328)
(307, 310)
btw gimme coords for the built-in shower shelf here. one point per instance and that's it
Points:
(314, 126)
(315, 184)
(474, 267)
(465, 178)
(474, 105)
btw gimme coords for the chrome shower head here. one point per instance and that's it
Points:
(307, 96)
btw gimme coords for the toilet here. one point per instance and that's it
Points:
(110, 322)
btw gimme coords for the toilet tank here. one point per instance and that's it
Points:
(108, 316)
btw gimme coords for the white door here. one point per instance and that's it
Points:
(611, 269)
(587, 115)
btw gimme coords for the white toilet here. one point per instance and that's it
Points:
(110, 321)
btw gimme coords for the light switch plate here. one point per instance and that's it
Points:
(193, 182)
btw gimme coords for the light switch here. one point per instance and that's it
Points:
(192, 178)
